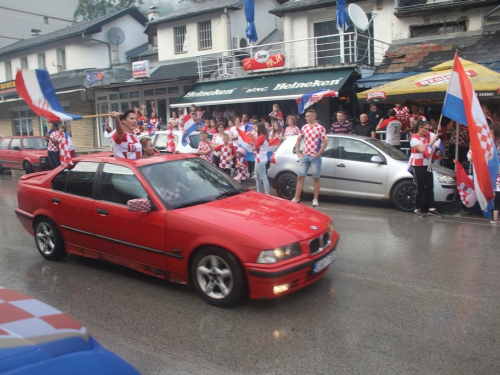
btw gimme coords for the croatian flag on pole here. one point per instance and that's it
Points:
(462, 105)
(307, 100)
(35, 88)
(274, 143)
(189, 127)
(245, 141)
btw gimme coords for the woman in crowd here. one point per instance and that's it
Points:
(263, 119)
(217, 140)
(63, 129)
(276, 114)
(292, 128)
(125, 144)
(233, 133)
(419, 160)
(260, 151)
(212, 127)
(276, 131)
(174, 120)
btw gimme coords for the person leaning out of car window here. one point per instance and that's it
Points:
(125, 143)
(53, 138)
(421, 151)
(147, 148)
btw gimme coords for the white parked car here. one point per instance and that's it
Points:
(361, 167)
(160, 141)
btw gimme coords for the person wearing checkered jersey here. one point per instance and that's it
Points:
(315, 142)
(227, 153)
(125, 144)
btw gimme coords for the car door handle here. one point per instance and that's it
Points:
(56, 200)
(102, 211)
(341, 165)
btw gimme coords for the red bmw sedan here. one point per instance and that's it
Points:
(179, 218)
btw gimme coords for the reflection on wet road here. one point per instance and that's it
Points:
(405, 296)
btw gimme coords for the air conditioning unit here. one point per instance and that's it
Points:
(239, 42)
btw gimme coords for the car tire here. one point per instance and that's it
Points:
(28, 168)
(48, 239)
(403, 195)
(218, 277)
(285, 185)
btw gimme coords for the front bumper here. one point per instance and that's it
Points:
(297, 275)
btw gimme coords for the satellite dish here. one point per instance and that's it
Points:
(116, 35)
(358, 17)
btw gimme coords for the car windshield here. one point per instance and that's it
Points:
(34, 144)
(188, 182)
(389, 150)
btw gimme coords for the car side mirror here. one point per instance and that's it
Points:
(139, 205)
(377, 159)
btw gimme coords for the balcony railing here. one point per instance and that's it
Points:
(324, 51)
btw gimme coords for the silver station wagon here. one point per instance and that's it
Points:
(359, 167)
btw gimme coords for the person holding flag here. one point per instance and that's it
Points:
(421, 151)
(66, 148)
(125, 144)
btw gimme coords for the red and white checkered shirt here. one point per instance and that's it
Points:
(413, 118)
(402, 115)
(172, 196)
(243, 173)
(463, 136)
(418, 159)
(226, 152)
(55, 135)
(203, 146)
(261, 147)
(128, 147)
(292, 130)
(313, 136)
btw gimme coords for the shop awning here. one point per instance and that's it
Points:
(267, 88)
(431, 86)
(381, 79)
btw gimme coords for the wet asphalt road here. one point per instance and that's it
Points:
(405, 296)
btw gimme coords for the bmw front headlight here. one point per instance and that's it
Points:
(445, 178)
(279, 254)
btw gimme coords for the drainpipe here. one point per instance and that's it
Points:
(229, 36)
(100, 41)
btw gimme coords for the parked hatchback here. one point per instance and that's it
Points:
(160, 142)
(359, 167)
(24, 152)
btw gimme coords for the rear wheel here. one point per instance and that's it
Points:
(27, 167)
(48, 239)
(285, 185)
(218, 277)
(403, 196)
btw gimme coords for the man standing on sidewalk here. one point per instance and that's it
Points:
(53, 138)
(314, 144)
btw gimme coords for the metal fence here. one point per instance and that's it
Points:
(324, 51)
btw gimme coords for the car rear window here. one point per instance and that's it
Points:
(4, 144)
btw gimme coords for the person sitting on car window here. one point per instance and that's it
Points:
(147, 147)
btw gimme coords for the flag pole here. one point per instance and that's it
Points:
(97, 116)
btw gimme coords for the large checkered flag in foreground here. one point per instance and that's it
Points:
(462, 105)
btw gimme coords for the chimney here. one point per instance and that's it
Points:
(153, 13)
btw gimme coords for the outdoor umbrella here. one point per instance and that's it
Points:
(431, 86)
(249, 14)
(342, 16)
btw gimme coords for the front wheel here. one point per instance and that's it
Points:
(48, 239)
(28, 168)
(285, 185)
(403, 196)
(218, 277)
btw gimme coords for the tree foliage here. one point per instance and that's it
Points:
(90, 9)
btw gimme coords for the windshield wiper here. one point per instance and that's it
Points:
(228, 194)
(193, 203)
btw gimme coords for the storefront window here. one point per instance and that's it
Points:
(113, 96)
(135, 94)
(149, 92)
(124, 95)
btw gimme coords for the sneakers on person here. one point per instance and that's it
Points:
(434, 213)
(296, 200)
(252, 176)
(494, 221)
(315, 203)
(419, 213)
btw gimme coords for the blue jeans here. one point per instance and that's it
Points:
(54, 159)
(309, 162)
(260, 173)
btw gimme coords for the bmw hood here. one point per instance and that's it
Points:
(270, 220)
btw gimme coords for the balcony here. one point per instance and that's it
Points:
(410, 8)
(337, 50)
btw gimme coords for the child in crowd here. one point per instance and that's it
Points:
(227, 154)
(204, 149)
(241, 167)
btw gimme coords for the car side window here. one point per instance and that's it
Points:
(77, 181)
(4, 143)
(119, 184)
(15, 144)
(352, 149)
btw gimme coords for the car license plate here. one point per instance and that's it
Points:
(323, 263)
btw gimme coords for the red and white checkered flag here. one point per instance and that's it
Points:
(170, 139)
(64, 153)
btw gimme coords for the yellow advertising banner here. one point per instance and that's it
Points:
(432, 86)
